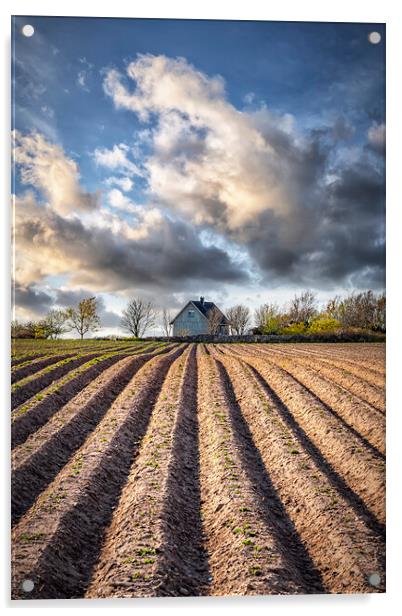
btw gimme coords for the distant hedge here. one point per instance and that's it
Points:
(330, 336)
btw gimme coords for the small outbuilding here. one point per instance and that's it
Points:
(200, 317)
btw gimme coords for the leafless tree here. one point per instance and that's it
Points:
(138, 317)
(23, 330)
(266, 313)
(214, 320)
(303, 307)
(380, 313)
(166, 320)
(366, 310)
(55, 322)
(239, 318)
(84, 318)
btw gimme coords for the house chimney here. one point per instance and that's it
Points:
(201, 301)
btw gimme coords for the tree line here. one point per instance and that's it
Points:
(80, 319)
(365, 310)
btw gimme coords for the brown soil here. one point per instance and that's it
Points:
(57, 543)
(371, 390)
(342, 546)
(363, 420)
(154, 544)
(35, 462)
(360, 468)
(38, 364)
(34, 413)
(201, 470)
(253, 547)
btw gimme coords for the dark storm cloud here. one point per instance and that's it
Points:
(38, 302)
(170, 255)
(336, 235)
(34, 300)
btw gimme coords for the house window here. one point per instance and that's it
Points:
(191, 313)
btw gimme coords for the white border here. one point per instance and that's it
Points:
(339, 10)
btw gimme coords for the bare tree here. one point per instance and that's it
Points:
(23, 330)
(214, 320)
(138, 317)
(264, 314)
(380, 313)
(55, 323)
(84, 318)
(364, 309)
(166, 320)
(303, 307)
(239, 318)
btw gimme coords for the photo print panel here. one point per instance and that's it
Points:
(198, 333)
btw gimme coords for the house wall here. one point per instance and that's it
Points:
(190, 325)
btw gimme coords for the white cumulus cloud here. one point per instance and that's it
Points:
(45, 166)
(116, 159)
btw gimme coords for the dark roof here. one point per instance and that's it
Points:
(204, 307)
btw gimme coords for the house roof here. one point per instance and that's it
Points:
(204, 307)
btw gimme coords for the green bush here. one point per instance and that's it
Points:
(323, 324)
(294, 328)
(272, 326)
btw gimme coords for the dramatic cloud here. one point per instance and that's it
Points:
(34, 302)
(292, 199)
(100, 250)
(227, 197)
(31, 301)
(210, 160)
(45, 166)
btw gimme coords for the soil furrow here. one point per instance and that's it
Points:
(372, 394)
(357, 477)
(58, 541)
(29, 420)
(347, 367)
(365, 424)
(31, 385)
(21, 393)
(138, 559)
(43, 455)
(352, 356)
(35, 412)
(35, 366)
(251, 543)
(183, 566)
(342, 547)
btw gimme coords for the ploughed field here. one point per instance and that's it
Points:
(145, 469)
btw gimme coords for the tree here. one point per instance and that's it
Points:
(366, 310)
(84, 318)
(380, 314)
(55, 323)
(166, 320)
(138, 317)
(214, 320)
(265, 314)
(303, 308)
(23, 330)
(239, 318)
(41, 329)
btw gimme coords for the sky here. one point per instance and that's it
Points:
(169, 159)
